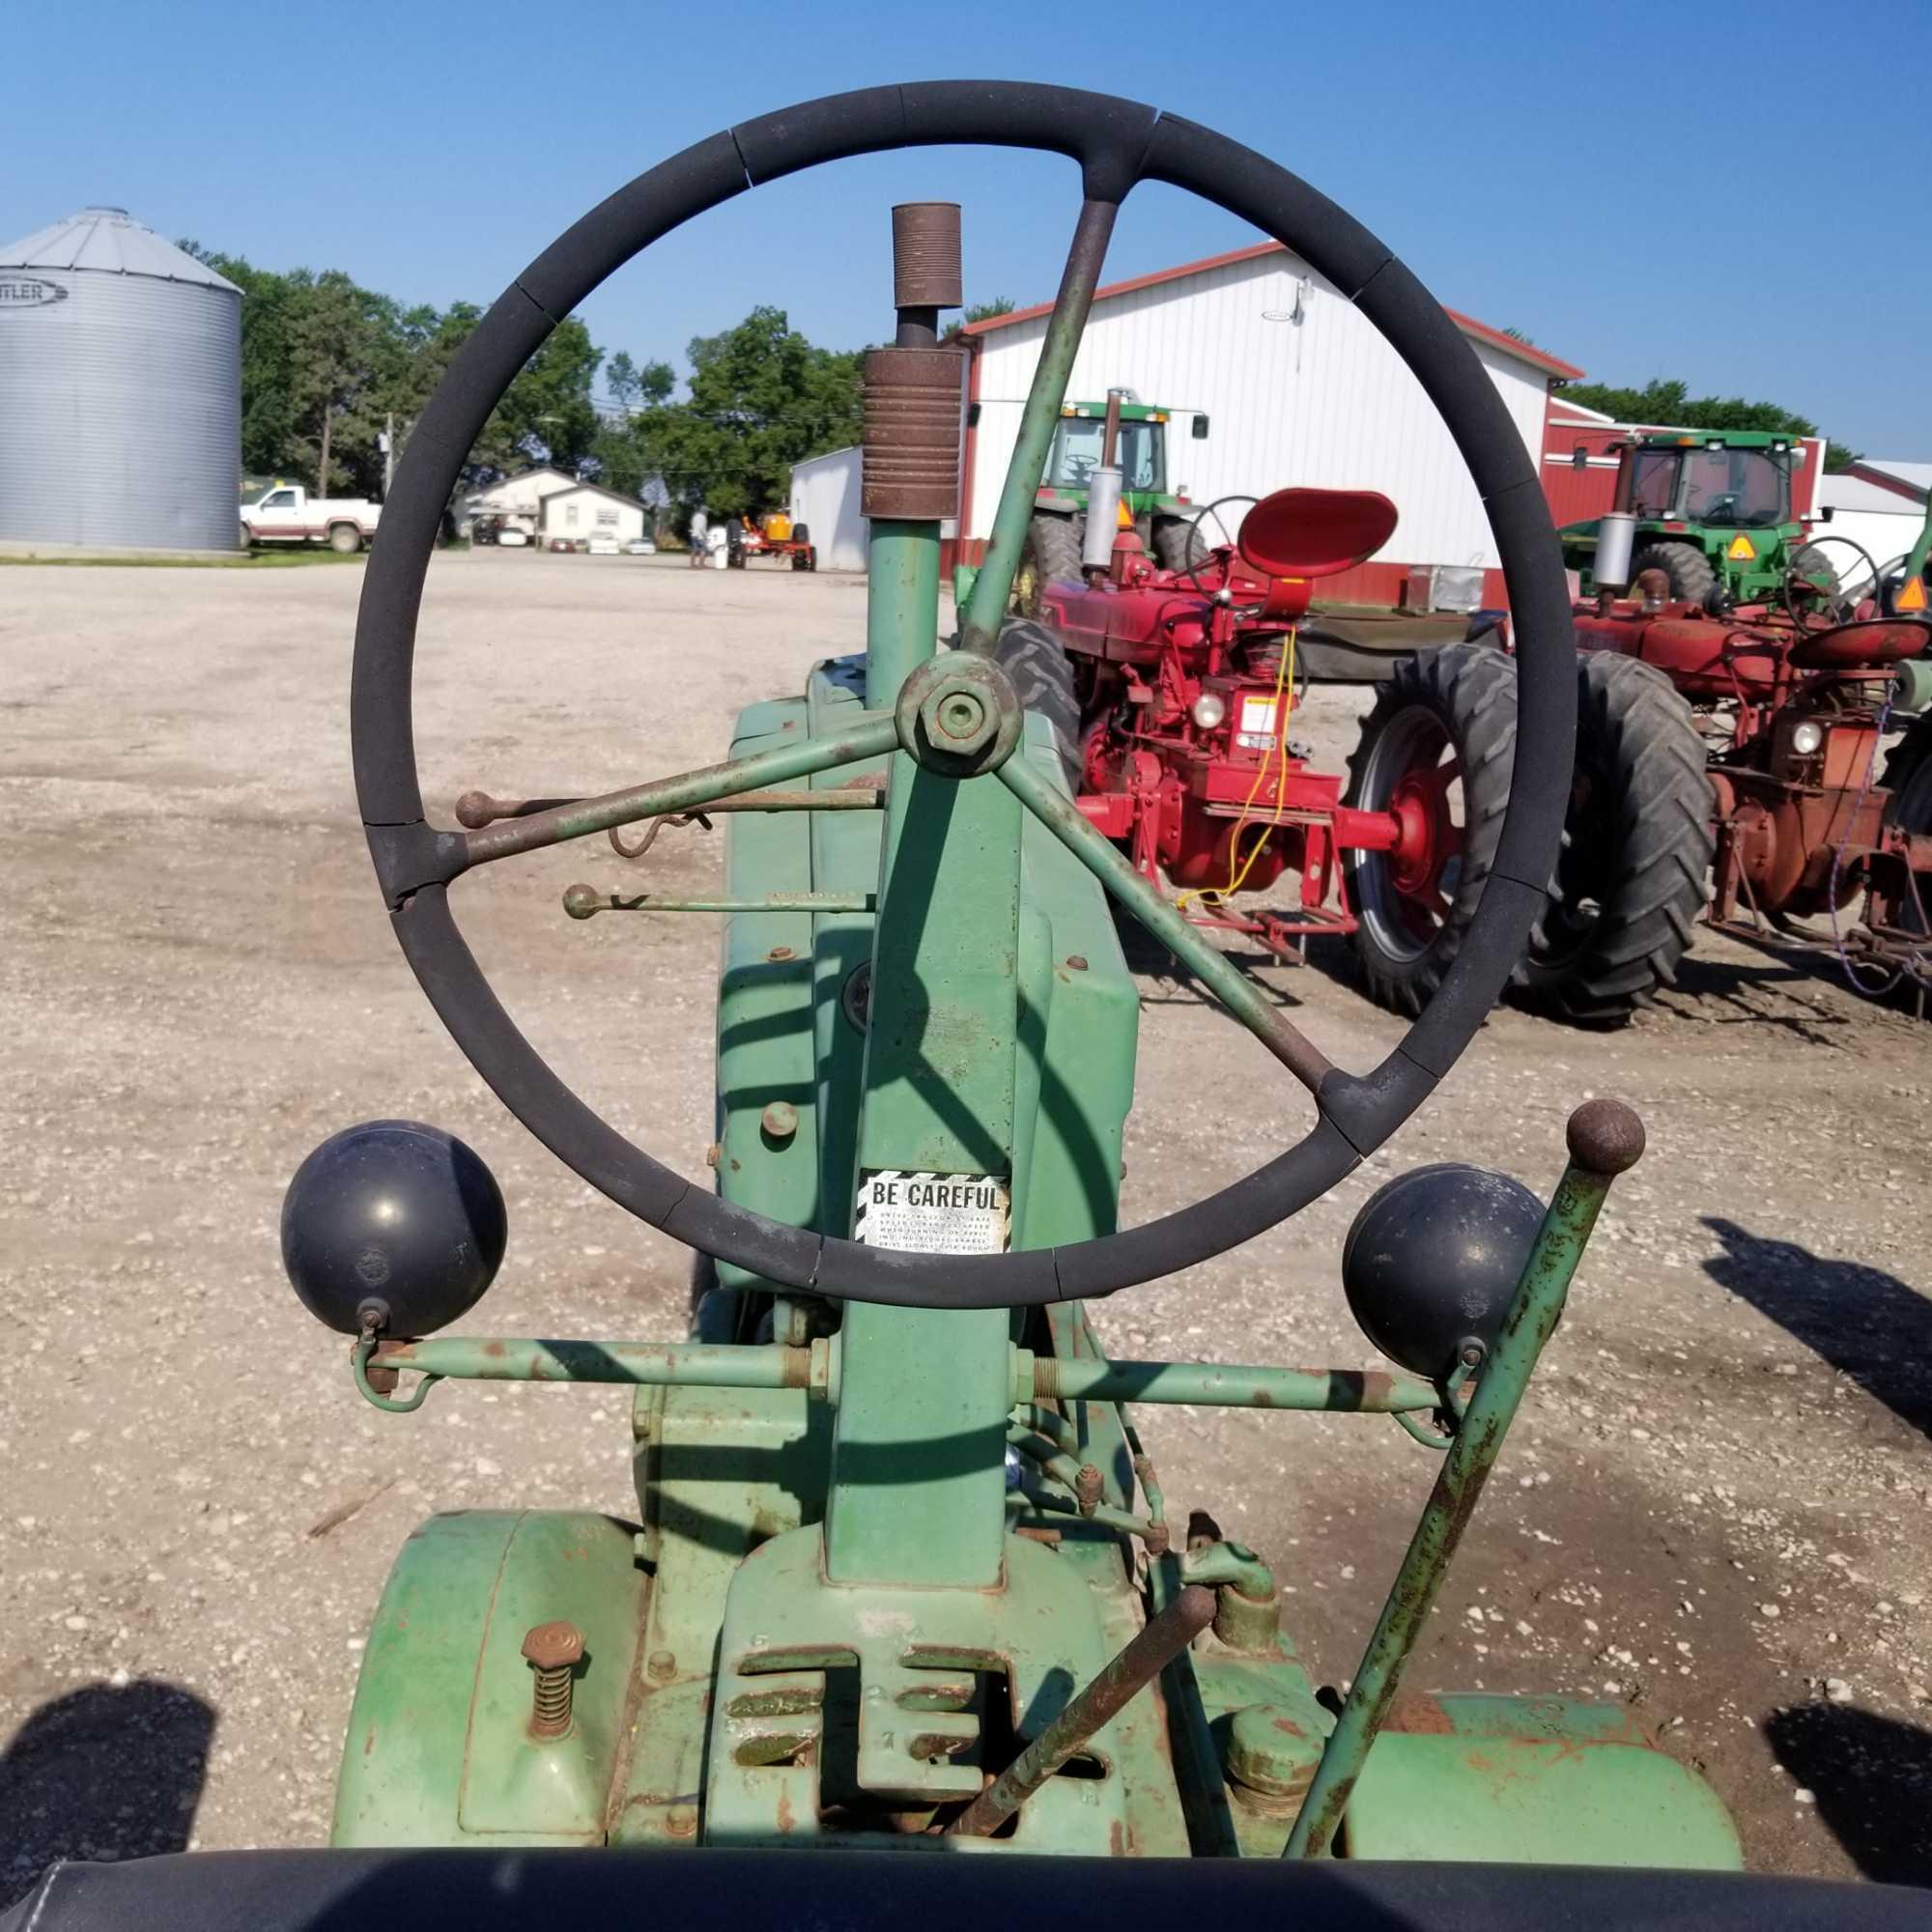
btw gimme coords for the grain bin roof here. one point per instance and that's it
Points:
(110, 241)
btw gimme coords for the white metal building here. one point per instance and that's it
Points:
(1879, 502)
(1299, 388)
(586, 510)
(825, 499)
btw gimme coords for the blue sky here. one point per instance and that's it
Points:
(1580, 174)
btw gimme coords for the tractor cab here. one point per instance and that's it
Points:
(1714, 481)
(1079, 446)
(1713, 517)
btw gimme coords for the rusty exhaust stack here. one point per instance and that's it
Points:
(913, 417)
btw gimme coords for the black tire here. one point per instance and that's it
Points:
(801, 533)
(1811, 562)
(344, 539)
(1051, 555)
(1908, 778)
(1636, 849)
(1691, 575)
(1036, 662)
(1178, 543)
(1461, 699)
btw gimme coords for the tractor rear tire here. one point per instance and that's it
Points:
(1636, 850)
(1809, 560)
(1036, 662)
(1178, 543)
(1051, 555)
(1461, 700)
(1908, 778)
(1691, 575)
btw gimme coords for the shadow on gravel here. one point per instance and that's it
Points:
(1866, 1323)
(1758, 996)
(1871, 1777)
(1147, 957)
(106, 1772)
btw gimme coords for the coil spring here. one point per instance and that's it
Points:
(550, 1717)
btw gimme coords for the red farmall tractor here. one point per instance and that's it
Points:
(1726, 758)
(1172, 694)
(1741, 747)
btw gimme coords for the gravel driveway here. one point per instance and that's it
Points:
(1717, 1506)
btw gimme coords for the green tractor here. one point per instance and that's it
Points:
(1135, 433)
(1712, 517)
(903, 1581)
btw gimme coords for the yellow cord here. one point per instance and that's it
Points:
(1237, 866)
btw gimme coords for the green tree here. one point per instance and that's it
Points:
(979, 312)
(1672, 404)
(547, 414)
(762, 398)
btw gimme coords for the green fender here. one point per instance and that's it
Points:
(437, 1751)
(1532, 1780)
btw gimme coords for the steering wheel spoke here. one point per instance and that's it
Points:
(871, 735)
(993, 589)
(1212, 967)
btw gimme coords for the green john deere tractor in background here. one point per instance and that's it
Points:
(904, 1584)
(1712, 517)
(1164, 522)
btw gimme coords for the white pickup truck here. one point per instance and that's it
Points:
(289, 514)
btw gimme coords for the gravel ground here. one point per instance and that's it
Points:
(1717, 1506)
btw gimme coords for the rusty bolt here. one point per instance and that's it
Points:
(712, 1153)
(1086, 1488)
(780, 1119)
(1077, 961)
(780, 952)
(554, 1651)
(661, 1666)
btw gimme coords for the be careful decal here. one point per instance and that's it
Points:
(936, 1214)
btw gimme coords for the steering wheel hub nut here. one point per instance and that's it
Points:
(960, 714)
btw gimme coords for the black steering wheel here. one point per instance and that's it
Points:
(1115, 143)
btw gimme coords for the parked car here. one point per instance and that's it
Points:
(510, 537)
(602, 544)
(640, 547)
(564, 544)
(289, 514)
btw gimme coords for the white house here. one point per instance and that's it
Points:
(1297, 387)
(586, 510)
(517, 499)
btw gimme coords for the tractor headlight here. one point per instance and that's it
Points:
(1210, 709)
(1805, 738)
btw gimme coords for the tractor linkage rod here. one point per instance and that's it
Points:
(869, 736)
(475, 809)
(1118, 1683)
(1226, 1385)
(1035, 1377)
(587, 902)
(1606, 1138)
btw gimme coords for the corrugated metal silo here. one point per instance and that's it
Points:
(119, 390)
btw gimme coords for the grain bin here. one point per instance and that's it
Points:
(119, 390)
